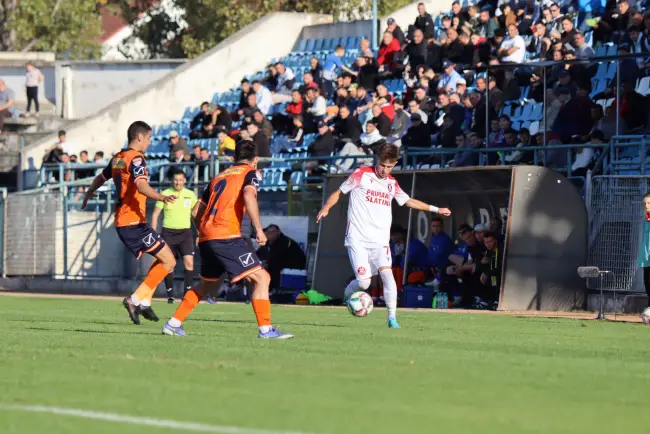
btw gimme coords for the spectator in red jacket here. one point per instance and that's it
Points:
(388, 48)
(295, 106)
(284, 122)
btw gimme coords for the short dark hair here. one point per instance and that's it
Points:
(256, 82)
(388, 152)
(137, 128)
(100, 153)
(279, 63)
(177, 171)
(339, 47)
(83, 152)
(447, 18)
(464, 228)
(61, 133)
(245, 150)
(204, 149)
(567, 18)
(244, 81)
(204, 103)
(490, 235)
(196, 146)
(506, 117)
(437, 219)
(597, 134)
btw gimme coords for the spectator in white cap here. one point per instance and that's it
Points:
(479, 232)
(176, 142)
(461, 87)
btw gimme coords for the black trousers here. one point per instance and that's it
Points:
(646, 282)
(32, 95)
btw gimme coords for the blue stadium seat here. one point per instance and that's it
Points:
(302, 44)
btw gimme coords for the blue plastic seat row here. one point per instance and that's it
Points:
(325, 45)
(273, 180)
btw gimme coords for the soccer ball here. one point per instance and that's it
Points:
(645, 316)
(360, 304)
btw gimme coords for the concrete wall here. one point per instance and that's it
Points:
(76, 90)
(13, 73)
(85, 88)
(217, 70)
(94, 250)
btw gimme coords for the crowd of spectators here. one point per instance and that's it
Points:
(468, 270)
(59, 153)
(445, 98)
(443, 102)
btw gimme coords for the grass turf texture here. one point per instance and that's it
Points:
(445, 373)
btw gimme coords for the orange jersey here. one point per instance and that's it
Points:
(125, 168)
(224, 200)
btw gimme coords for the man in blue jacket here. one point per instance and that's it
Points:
(440, 245)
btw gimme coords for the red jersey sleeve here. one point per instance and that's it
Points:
(353, 181)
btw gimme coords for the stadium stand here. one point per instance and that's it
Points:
(476, 85)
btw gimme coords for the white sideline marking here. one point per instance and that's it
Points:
(134, 420)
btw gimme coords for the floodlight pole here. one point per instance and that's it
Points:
(374, 24)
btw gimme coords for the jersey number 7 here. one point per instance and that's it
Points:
(219, 187)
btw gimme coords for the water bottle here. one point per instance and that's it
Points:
(435, 300)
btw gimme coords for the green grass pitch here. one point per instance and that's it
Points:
(441, 373)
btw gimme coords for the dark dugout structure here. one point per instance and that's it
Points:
(545, 231)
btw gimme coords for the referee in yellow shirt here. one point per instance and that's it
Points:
(177, 229)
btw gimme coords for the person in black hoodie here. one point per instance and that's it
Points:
(381, 120)
(469, 55)
(424, 22)
(347, 128)
(202, 118)
(417, 134)
(416, 50)
(261, 141)
(323, 146)
(368, 75)
(453, 50)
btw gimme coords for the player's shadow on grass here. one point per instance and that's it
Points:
(68, 322)
(45, 329)
(288, 323)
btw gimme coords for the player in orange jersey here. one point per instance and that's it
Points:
(128, 169)
(218, 215)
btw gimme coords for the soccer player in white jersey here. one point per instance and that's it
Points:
(372, 189)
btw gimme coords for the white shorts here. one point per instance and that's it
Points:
(367, 260)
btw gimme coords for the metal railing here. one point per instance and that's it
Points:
(413, 154)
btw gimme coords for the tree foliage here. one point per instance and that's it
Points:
(202, 24)
(66, 27)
